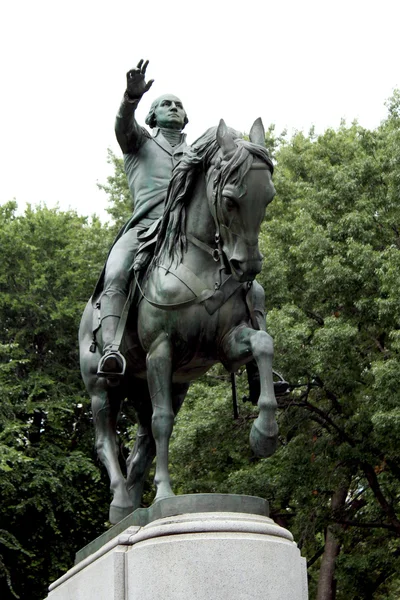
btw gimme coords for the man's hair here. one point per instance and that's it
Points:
(151, 120)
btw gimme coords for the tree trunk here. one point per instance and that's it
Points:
(326, 581)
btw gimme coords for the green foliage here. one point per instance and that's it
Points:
(207, 446)
(50, 487)
(331, 276)
(331, 240)
(332, 284)
(120, 199)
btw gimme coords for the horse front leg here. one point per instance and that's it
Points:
(241, 345)
(159, 378)
(105, 414)
(140, 459)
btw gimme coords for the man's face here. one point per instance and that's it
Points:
(170, 113)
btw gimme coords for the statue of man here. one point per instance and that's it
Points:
(149, 161)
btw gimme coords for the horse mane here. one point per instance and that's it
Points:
(172, 241)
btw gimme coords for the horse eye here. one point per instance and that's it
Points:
(229, 203)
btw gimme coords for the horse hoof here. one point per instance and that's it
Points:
(161, 494)
(262, 445)
(117, 513)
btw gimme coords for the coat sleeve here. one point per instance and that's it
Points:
(129, 134)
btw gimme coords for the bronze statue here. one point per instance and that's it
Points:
(148, 164)
(197, 304)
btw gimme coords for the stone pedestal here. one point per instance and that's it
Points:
(208, 555)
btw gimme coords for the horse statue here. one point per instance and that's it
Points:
(196, 307)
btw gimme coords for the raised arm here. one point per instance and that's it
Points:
(128, 131)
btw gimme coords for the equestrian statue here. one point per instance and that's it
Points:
(178, 291)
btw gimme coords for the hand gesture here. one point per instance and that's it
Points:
(136, 85)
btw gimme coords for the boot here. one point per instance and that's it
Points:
(112, 364)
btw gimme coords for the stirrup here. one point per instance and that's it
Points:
(112, 365)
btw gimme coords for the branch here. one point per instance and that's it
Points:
(376, 490)
(355, 505)
(394, 228)
(394, 467)
(381, 347)
(315, 557)
(330, 395)
(367, 525)
(324, 420)
(384, 576)
(315, 317)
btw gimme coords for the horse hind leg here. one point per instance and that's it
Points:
(105, 415)
(142, 455)
(138, 464)
(241, 345)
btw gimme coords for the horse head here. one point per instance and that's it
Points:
(239, 188)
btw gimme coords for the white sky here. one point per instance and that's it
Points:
(63, 65)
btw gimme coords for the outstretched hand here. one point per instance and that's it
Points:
(136, 85)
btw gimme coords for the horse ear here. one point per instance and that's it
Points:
(257, 133)
(225, 139)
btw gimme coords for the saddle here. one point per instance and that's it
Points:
(145, 252)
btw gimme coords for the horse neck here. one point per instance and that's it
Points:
(199, 221)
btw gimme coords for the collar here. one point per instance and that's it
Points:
(157, 132)
(161, 141)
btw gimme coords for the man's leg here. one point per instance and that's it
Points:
(116, 287)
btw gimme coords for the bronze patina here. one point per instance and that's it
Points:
(149, 161)
(197, 304)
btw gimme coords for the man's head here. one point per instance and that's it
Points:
(167, 111)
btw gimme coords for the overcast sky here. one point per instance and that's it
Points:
(63, 66)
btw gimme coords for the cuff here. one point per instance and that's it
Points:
(132, 101)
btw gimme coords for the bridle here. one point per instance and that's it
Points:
(215, 203)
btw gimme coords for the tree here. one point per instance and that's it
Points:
(119, 197)
(331, 275)
(52, 498)
(331, 278)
